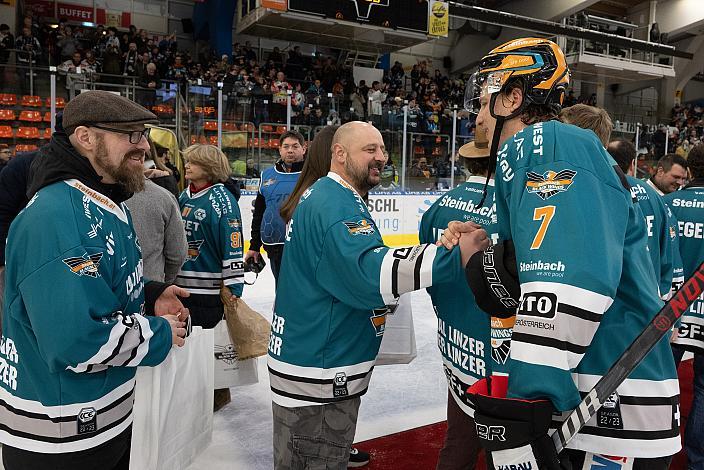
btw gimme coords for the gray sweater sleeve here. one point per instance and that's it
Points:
(175, 245)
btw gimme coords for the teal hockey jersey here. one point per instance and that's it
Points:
(588, 289)
(688, 207)
(337, 278)
(661, 234)
(215, 247)
(463, 328)
(73, 326)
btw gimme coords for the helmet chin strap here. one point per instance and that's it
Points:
(496, 140)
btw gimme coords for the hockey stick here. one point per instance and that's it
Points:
(631, 357)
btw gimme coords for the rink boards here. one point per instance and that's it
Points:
(397, 215)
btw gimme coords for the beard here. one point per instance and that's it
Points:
(360, 175)
(132, 181)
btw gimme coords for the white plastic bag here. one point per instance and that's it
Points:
(173, 409)
(229, 371)
(398, 346)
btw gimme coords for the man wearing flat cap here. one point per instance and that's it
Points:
(78, 315)
(456, 307)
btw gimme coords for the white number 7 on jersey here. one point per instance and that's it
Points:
(545, 215)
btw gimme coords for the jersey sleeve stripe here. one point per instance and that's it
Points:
(121, 343)
(554, 343)
(577, 312)
(576, 296)
(539, 355)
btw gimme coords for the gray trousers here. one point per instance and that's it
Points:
(314, 437)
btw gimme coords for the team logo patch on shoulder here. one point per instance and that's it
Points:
(193, 250)
(85, 265)
(359, 228)
(269, 182)
(234, 223)
(549, 183)
(199, 214)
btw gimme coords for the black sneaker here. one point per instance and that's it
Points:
(358, 458)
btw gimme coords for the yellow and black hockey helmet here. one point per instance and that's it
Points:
(540, 63)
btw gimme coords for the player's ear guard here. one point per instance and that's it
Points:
(493, 277)
(513, 432)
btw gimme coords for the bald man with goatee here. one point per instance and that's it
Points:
(338, 281)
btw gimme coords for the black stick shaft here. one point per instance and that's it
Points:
(640, 347)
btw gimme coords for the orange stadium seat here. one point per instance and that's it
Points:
(25, 148)
(247, 127)
(47, 133)
(47, 116)
(8, 99)
(266, 128)
(198, 139)
(28, 133)
(163, 109)
(280, 129)
(213, 140)
(6, 132)
(32, 101)
(210, 125)
(31, 116)
(7, 115)
(274, 143)
(255, 142)
(60, 102)
(229, 126)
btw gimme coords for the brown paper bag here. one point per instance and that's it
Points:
(249, 330)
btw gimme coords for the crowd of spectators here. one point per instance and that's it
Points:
(687, 128)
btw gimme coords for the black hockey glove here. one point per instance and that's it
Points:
(493, 277)
(513, 432)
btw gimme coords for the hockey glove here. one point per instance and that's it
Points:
(513, 432)
(493, 278)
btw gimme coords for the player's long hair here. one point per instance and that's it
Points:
(317, 165)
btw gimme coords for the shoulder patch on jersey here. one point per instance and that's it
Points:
(359, 228)
(269, 182)
(86, 265)
(193, 250)
(199, 214)
(234, 223)
(549, 183)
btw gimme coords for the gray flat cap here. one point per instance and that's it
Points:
(109, 109)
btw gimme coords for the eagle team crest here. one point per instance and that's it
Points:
(549, 183)
(193, 250)
(359, 228)
(86, 265)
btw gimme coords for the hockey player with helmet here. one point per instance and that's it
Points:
(587, 287)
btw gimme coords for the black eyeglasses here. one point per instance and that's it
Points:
(135, 136)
